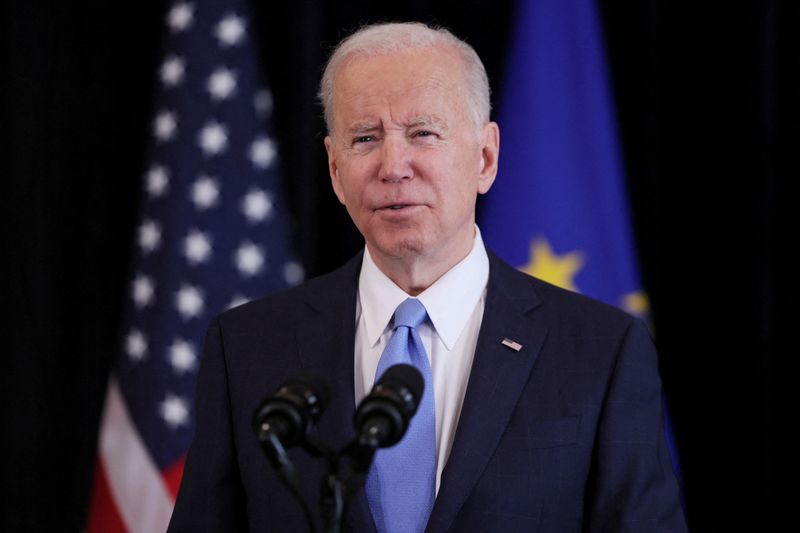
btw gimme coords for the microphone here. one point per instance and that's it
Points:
(286, 415)
(383, 416)
(283, 419)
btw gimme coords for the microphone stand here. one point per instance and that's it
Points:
(381, 418)
(332, 498)
(332, 503)
(347, 470)
(276, 453)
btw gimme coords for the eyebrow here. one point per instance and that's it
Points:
(363, 127)
(420, 121)
(426, 120)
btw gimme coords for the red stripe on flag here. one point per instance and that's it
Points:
(172, 476)
(103, 515)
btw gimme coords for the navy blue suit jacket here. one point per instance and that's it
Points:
(563, 435)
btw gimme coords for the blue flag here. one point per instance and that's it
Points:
(212, 234)
(558, 209)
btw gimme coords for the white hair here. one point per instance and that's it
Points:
(379, 39)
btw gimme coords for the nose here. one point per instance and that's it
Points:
(395, 157)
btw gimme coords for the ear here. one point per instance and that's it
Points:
(333, 169)
(490, 151)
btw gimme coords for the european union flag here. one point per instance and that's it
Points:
(558, 209)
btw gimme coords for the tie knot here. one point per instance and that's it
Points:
(410, 313)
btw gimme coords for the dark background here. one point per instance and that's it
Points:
(707, 96)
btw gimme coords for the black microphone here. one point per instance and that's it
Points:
(383, 416)
(283, 419)
(288, 413)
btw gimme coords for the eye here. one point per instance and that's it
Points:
(425, 136)
(363, 139)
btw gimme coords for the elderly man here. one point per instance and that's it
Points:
(541, 408)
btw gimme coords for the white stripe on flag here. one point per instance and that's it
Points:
(136, 484)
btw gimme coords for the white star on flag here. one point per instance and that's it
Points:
(136, 345)
(262, 102)
(149, 236)
(256, 206)
(175, 411)
(262, 152)
(165, 126)
(221, 84)
(205, 192)
(189, 301)
(143, 291)
(180, 16)
(213, 138)
(197, 247)
(172, 71)
(230, 31)
(293, 273)
(249, 259)
(157, 181)
(182, 356)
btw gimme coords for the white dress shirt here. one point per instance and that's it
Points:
(455, 309)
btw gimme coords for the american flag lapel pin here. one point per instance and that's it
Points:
(514, 345)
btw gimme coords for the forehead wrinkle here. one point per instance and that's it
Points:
(352, 89)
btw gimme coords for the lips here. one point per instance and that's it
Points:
(395, 206)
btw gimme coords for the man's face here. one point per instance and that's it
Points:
(405, 158)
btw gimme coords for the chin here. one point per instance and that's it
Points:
(399, 246)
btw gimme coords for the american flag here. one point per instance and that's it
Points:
(212, 234)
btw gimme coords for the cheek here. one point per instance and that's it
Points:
(458, 185)
(338, 189)
(353, 190)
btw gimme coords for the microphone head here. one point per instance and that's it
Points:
(383, 416)
(312, 391)
(404, 376)
(288, 411)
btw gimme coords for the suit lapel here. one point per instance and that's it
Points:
(325, 337)
(496, 380)
(325, 345)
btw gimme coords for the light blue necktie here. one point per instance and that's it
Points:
(401, 485)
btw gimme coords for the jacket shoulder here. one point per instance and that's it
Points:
(314, 295)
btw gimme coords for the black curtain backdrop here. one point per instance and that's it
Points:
(707, 98)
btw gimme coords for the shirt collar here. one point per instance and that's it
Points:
(449, 301)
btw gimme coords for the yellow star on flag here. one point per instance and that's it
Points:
(636, 303)
(559, 270)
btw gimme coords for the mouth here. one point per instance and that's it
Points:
(394, 207)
